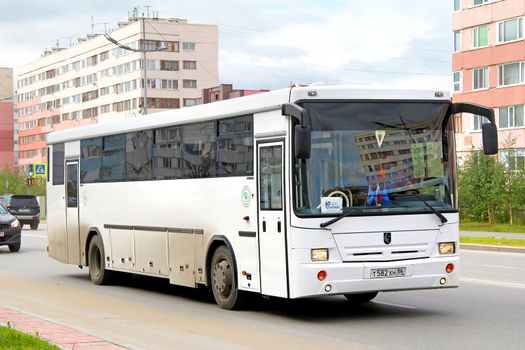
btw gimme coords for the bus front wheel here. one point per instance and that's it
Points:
(223, 281)
(97, 269)
(361, 298)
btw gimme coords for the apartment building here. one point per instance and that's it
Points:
(6, 118)
(104, 77)
(225, 92)
(488, 66)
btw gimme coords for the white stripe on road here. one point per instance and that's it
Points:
(493, 283)
(397, 305)
(500, 266)
(33, 235)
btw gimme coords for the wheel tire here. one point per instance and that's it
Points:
(361, 298)
(97, 268)
(223, 281)
(14, 247)
(34, 226)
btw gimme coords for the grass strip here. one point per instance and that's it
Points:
(11, 339)
(493, 241)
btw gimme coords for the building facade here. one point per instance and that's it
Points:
(104, 77)
(225, 92)
(488, 64)
(7, 144)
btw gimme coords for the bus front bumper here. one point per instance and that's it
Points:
(350, 278)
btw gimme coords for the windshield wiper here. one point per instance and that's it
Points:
(438, 214)
(334, 220)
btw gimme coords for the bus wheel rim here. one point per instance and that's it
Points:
(222, 278)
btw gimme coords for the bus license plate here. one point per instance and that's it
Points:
(2, 234)
(388, 273)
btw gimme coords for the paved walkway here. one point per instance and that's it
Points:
(63, 337)
(493, 234)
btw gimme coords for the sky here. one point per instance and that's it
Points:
(267, 44)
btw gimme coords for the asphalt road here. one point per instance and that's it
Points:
(486, 312)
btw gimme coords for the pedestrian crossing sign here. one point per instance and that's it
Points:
(40, 170)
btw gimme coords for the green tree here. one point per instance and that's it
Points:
(12, 180)
(481, 185)
(514, 179)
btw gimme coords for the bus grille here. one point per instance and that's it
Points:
(370, 246)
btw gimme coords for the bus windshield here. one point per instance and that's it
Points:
(378, 157)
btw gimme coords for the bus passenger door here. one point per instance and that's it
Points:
(72, 219)
(272, 225)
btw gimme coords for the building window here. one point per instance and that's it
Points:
(105, 109)
(187, 46)
(480, 36)
(510, 30)
(457, 41)
(104, 56)
(511, 116)
(511, 73)
(169, 84)
(189, 64)
(456, 76)
(480, 78)
(479, 2)
(169, 65)
(187, 83)
(457, 5)
(478, 120)
(514, 159)
(189, 102)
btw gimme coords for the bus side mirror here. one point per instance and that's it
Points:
(302, 132)
(490, 138)
(303, 142)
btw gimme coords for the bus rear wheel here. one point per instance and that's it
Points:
(361, 298)
(223, 281)
(97, 269)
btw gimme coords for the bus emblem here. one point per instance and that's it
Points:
(387, 237)
(246, 196)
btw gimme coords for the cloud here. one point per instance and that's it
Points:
(268, 44)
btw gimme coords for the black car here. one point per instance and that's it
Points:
(10, 230)
(25, 207)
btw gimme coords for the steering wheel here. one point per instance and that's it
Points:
(349, 202)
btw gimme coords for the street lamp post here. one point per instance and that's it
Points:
(143, 50)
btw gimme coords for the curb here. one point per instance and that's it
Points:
(61, 336)
(494, 248)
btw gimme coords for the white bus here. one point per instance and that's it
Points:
(306, 191)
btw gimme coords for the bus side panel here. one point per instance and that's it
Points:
(151, 252)
(211, 207)
(182, 258)
(122, 249)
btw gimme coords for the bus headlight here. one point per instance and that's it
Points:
(319, 254)
(15, 223)
(447, 248)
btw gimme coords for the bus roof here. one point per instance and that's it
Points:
(241, 105)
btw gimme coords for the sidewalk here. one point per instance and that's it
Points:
(493, 234)
(61, 336)
(496, 248)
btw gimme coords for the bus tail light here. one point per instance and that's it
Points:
(449, 268)
(321, 275)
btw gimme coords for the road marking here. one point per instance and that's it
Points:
(33, 235)
(493, 283)
(500, 266)
(397, 305)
